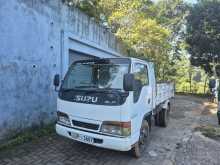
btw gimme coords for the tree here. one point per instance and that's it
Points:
(188, 78)
(90, 7)
(203, 33)
(148, 29)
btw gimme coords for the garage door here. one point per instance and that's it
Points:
(75, 56)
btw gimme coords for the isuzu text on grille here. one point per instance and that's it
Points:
(86, 99)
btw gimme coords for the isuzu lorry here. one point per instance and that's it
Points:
(111, 103)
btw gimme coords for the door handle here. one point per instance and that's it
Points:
(148, 101)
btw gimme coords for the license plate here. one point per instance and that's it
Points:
(82, 138)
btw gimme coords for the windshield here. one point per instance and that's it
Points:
(108, 75)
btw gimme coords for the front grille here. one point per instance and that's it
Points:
(85, 125)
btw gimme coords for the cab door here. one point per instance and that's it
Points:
(142, 96)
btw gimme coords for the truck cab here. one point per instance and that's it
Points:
(108, 103)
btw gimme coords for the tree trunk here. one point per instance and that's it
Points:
(205, 84)
(190, 83)
(164, 72)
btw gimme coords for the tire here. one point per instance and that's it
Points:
(218, 116)
(140, 146)
(164, 117)
(156, 119)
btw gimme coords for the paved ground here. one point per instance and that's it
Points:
(178, 144)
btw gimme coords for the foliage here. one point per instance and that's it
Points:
(209, 131)
(203, 27)
(28, 135)
(189, 79)
(151, 31)
(89, 7)
(172, 14)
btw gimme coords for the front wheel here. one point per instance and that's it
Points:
(140, 146)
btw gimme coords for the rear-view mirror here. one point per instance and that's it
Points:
(56, 81)
(128, 82)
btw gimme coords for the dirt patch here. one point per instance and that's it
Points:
(199, 150)
(209, 131)
(177, 115)
(209, 108)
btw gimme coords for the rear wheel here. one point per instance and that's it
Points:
(219, 119)
(156, 119)
(140, 146)
(164, 118)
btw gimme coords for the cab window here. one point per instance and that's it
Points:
(141, 79)
(141, 74)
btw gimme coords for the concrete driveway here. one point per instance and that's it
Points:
(178, 144)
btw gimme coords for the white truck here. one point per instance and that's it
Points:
(111, 103)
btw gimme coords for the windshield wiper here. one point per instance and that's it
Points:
(89, 86)
(67, 89)
(115, 89)
(97, 88)
(76, 88)
(94, 89)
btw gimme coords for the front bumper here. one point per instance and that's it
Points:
(103, 141)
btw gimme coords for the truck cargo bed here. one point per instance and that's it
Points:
(165, 91)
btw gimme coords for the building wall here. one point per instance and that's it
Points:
(36, 37)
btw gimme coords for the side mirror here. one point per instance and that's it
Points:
(56, 81)
(128, 83)
(137, 85)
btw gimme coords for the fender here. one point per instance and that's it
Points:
(166, 104)
(147, 117)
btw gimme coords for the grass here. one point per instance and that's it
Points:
(209, 131)
(207, 95)
(28, 135)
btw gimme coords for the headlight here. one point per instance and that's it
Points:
(63, 118)
(116, 128)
